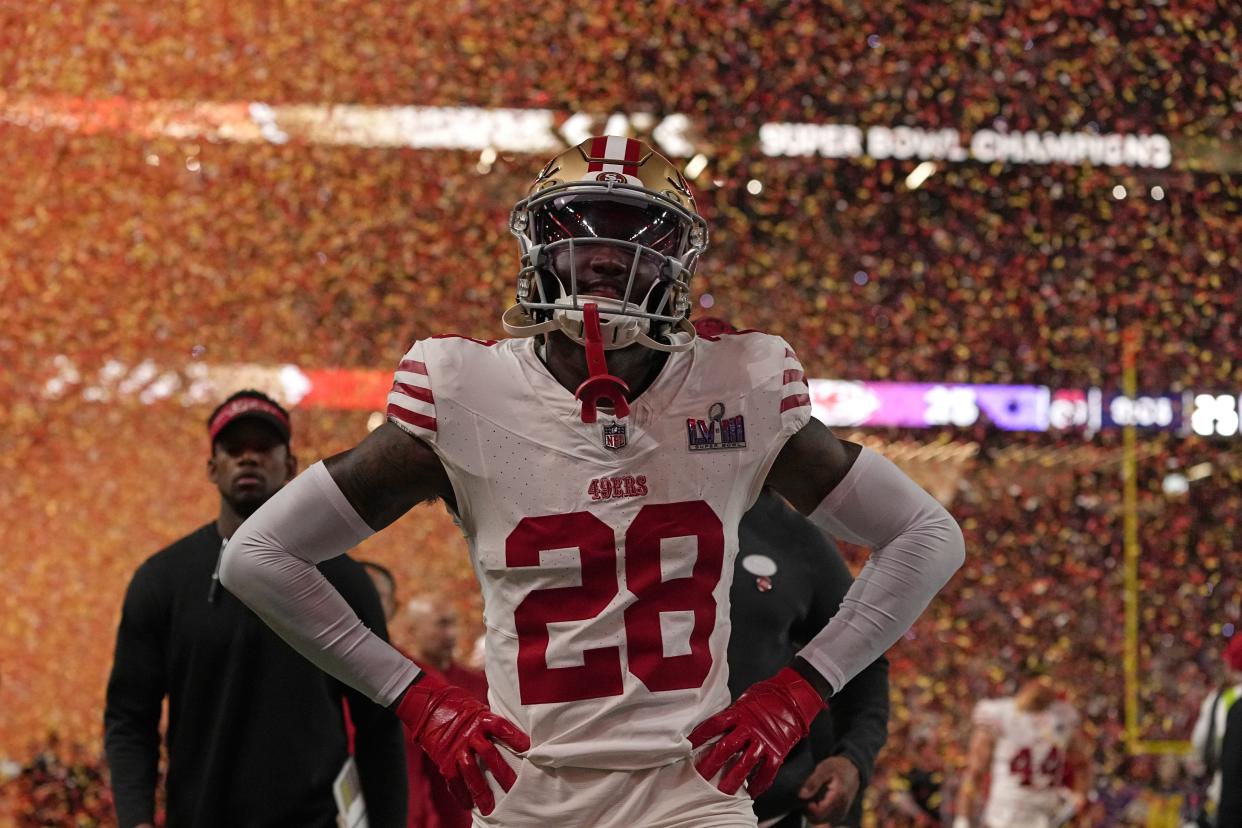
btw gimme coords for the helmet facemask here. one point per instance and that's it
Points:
(621, 245)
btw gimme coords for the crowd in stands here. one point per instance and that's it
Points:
(59, 785)
(986, 272)
(1044, 583)
(123, 246)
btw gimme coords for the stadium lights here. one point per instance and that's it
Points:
(1175, 484)
(1199, 471)
(486, 158)
(1178, 483)
(1119, 192)
(696, 166)
(1157, 193)
(920, 174)
(754, 186)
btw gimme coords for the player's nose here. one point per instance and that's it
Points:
(610, 261)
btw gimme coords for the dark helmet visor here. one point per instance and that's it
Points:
(576, 217)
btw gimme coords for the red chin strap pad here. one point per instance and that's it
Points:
(600, 385)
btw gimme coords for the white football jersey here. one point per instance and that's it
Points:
(1028, 757)
(605, 551)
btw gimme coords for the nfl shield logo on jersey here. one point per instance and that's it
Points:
(614, 436)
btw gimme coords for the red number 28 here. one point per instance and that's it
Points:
(599, 674)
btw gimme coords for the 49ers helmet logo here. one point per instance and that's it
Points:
(611, 178)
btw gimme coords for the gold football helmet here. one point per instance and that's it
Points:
(617, 200)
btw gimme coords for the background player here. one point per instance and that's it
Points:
(603, 539)
(1029, 743)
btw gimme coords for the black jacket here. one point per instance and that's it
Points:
(773, 616)
(256, 733)
(1229, 814)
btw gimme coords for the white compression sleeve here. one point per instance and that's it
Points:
(269, 564)
(916, 547)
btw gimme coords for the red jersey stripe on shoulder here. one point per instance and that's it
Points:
(413, 366)
(794, 375)
(414, 391)
(488, 342)
(795, 401)
(789, 354)
(412, 417)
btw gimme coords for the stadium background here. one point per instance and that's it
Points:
(147, 268)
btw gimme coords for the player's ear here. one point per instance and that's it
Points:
(291, 466)
(211, 465)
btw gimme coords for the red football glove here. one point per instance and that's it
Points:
(457, 731)
(759, 729)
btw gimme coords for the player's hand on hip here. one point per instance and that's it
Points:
(830, 790)
(459, 734)
(757, 731)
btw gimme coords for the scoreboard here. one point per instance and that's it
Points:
(839, 403)
(1020, 407)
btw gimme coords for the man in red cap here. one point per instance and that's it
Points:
(1210, 727)
(256, 734)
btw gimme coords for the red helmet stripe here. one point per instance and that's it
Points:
(632, 151)
(599, 149)
(610, 153)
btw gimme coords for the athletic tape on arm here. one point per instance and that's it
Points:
(269, 564)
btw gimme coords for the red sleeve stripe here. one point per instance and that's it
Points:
(412, 417)
(413, 366)
(796, 401)
(794, 375)
(789, 354)
(414, 391)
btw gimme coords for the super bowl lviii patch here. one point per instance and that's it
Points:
(717, 431)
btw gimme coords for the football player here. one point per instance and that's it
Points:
(599, 461)
(1032, 747)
